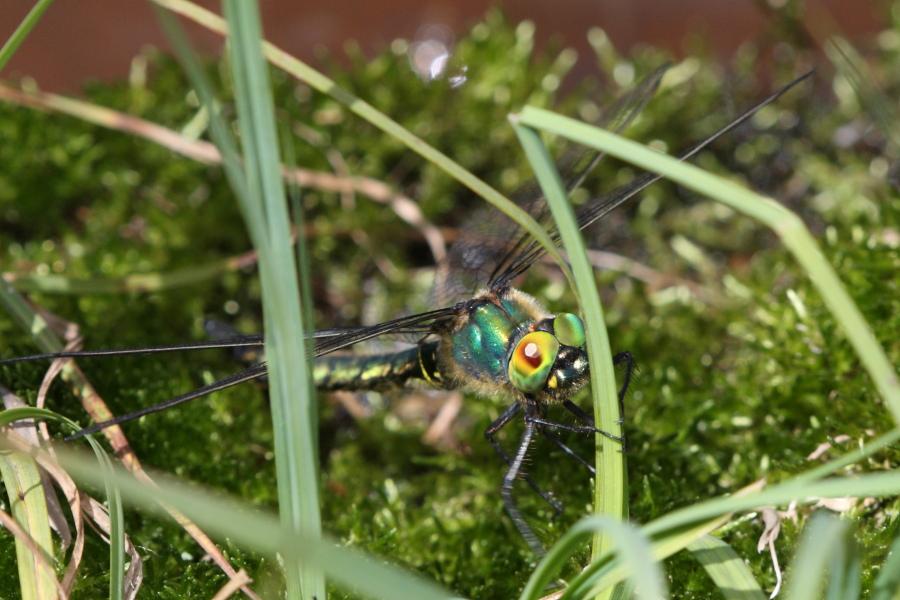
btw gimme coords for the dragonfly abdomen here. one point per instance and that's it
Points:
(376, 371)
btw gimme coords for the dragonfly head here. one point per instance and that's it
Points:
(549, 359)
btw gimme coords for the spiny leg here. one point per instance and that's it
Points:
(506, 491)
(584, 417)
(496, 426)
(572, 428)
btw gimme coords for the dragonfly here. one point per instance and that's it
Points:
(496, 342)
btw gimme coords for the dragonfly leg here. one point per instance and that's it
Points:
(583, 416)
(489, 434)
(588, 419)
(559, 443)
(506, 491)
(627, 358)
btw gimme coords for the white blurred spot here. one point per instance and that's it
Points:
(429, 54)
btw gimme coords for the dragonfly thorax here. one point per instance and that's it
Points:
(506, 344)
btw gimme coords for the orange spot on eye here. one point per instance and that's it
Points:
(531, 352)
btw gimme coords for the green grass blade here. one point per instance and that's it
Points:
(18, 36)
(260, 192)
(29, 508)
(669, 529)
(783, 222)
(727, 570)
(113, 499)
(250, 528)
(631, 546)
(323, 84)
(873, 446)
(289, 369)
(887, 584)
(601, 573)
(116, 532)
(821, 547)
(872, 484)
(609, 488)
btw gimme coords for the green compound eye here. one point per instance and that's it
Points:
(569, 329)
(532, 360)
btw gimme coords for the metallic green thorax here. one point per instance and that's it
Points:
(480, 347)
(377, 370)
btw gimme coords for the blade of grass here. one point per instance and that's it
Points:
(727, 570)
(602, 573)
(631, 546)
(821, 548)
(673, 532)
(135, 283)
(114, 501)
(252, 529)
(286, 355)
(47, 340)
(116, 533)
(259, 188)
(18, 36)
(874, 484)
(887, 584)
(782, 221)
(323, 84)
(29, 509)
(609, 487)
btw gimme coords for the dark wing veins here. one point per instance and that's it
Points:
(528, 251)
(488, 240)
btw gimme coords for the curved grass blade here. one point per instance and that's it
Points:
(25, 491)
(602, 573)
(822, 548)
(47, 341)
(786, 224)
(727, 570)
(887, 584)
(18, 36)
(672, 524)
(632, 548)
(609, 488)
(254, 530)
(114, 501)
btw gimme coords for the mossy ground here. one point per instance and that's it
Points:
(743, 371)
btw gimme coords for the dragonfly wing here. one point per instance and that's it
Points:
(529, 251)
(488, 240)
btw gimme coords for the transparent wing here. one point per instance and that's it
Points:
(488, 239)
(527, 251)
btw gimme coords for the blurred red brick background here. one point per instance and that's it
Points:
(79, 40)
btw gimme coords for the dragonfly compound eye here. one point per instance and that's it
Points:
(569, 329)
(531, 361)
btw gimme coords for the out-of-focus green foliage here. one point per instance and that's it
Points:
(742, 371)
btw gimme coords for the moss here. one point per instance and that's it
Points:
(742, 373)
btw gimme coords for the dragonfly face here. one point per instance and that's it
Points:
(506, 345)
